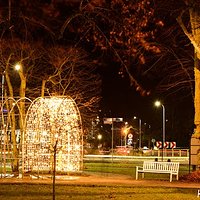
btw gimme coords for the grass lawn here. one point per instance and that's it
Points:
(126, 168)
(33, 191)
(85, 192)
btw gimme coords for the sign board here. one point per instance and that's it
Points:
(111, 120)
(117, 119)
(130, 141)
(107, 120)
(153, 140)
(166, 145)
(130, 136)
(172, 145)
(159, 144)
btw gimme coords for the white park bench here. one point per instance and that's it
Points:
(171, 168)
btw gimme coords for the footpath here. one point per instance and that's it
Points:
(100, 179)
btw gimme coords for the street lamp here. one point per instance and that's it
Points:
(3, 151)
(158, 104)
(140, 132)
(17, 66)
(99, 137)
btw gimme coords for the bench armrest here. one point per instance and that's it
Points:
(139, 167)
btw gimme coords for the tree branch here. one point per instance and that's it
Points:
(189, 35)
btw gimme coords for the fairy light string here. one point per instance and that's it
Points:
(49, 120)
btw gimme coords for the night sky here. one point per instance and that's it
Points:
(120, 99)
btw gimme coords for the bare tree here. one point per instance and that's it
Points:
(14, 51)
(122, 29)
(193, 34)
(73, 74)
(53, 70)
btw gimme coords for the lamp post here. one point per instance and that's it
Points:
(3, 150)
(18, 67)
(158, 104)
(2, 117)
(140, 132)
(125, 132)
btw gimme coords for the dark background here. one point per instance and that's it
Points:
(120, 99)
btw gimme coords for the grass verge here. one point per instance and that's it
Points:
(91, 192)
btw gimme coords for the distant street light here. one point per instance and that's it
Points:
(158, 104)
(99, 137)
(140, 131)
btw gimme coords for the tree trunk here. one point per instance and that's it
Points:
(195, 26)
(194, 36)
(194, 20)
(22, 94)
(15, 163)
(197, 98)
(43, 88)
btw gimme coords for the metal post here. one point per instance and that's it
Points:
(163, 148)
(54, 168)
(125, 139)
(140, 133)
(112, 138)
(158, 103)
(23, 159)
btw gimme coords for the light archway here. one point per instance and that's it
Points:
(50, 121)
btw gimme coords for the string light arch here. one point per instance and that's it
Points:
(50, 121)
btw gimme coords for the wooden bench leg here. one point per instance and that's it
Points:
(170, 177)
(136, 175)
(143, 175)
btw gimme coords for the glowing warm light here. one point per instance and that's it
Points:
(17, 67)
(125, 130)
(157, 103)
(49, 120)
(99, 137)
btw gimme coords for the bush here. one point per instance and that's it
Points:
(193, 177)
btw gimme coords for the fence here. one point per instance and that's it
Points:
(148, 152)
(169, 152)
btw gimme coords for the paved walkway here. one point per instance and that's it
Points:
(101, 179)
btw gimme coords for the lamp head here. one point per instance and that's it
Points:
(157, 103)
(99, 137)
(17, 67)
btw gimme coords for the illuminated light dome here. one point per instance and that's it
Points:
(48, 120)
